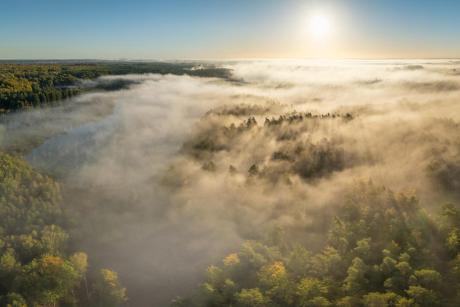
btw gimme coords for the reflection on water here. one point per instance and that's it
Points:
(67, 152)
(23, 131)
(109, 151)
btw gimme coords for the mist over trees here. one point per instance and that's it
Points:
(382, 249)
(37, 268)
(40, 84)
(377, 247)
(282, 184)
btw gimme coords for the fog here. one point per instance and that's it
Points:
(157, 181)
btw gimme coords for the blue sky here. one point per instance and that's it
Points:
(196, 29)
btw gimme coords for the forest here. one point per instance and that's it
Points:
(230, 184)
(381, 249)
(37, 267)
(373, 247)
(32, 84)
(392, 254)
(38, 264)
(238, 153)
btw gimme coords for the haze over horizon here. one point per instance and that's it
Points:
(238, 29)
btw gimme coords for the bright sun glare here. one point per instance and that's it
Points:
(319, 26)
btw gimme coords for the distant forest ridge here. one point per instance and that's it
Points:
(33, 83)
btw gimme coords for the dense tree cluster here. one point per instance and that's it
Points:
(35, 84)
(306, 157)
(23, 86)
(36, 265)
(373, 247)
(382, 250)
(244, 109)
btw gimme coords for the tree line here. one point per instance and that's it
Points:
(29, 84)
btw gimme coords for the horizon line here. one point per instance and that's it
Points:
(228, 59)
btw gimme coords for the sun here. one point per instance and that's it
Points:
(319, 26)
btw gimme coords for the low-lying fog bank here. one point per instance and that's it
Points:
(167, 176)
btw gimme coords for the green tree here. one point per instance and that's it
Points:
(251, 298)
(376, 299)
(311, 292)
(14, 300)
(107, 290)
(47, 280)
(423, 297)
(356, 281)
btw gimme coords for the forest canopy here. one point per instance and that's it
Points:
(382, 249)
(37, 267)
(370, 247)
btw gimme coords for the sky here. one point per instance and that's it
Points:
(229, 29)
